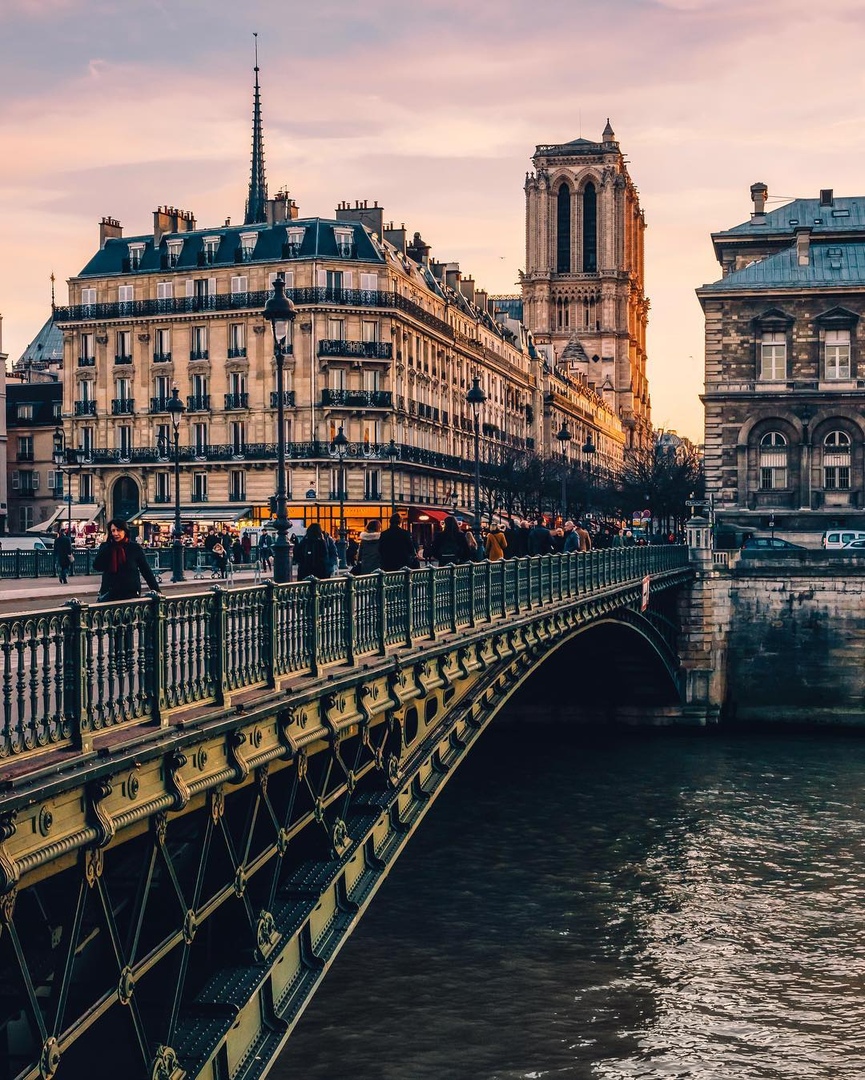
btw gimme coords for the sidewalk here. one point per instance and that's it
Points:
(86, 587)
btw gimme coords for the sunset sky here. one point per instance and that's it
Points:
(117, 106)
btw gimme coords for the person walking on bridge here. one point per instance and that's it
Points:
(123, 564)
(396, 547)
(63, 557)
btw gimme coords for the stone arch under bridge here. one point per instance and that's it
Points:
(178, 918)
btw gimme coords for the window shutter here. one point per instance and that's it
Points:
(347, 278)
(190, 287)
(321, 278)
(16, 482)
(369, 282)
(35, 481)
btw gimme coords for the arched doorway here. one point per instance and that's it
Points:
(125, 499)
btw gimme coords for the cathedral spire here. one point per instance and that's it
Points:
(256, 203)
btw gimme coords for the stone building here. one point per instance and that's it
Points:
(785, 367)
(4, 499)
(583, 289)
(35, 484)
(386, 344)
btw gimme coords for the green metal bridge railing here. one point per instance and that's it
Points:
(72, 672)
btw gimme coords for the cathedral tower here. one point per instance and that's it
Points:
(583, 286)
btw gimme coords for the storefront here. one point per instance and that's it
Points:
(157, 522)
(85, 519)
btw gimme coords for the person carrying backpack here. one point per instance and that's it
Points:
(315, 554)
(450, 545)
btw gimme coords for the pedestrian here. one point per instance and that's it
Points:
(557, 539)
(449, 545)
(123, 564)
(617, 541)
(246, 545)
(539, 541)
(396, 547)
(237, 554)
(369, 549)
(496, 544)
(572, 538)
(64, 559)
(471, 542)
(315, 554)
(585, 536)
(219, 555)
(265, 551)
(351, 550)
(514, 538)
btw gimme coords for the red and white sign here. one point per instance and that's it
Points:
(645, 601)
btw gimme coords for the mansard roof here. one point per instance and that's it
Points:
(319, 241)
(46, 347)
(844, 215)
(829, 263)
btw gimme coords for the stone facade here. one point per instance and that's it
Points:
(785, 375)
(583, 288)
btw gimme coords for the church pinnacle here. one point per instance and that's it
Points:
(256, 203)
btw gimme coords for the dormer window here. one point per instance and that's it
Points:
(173, 249)
(211, 246)
(344, 242)
(293, 241)
(247, 245)
(135, 253)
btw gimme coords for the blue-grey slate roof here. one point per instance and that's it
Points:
(845, 214)
(318, 242)
(830, 263)
(46, 346)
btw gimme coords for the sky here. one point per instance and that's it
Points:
(113, 107)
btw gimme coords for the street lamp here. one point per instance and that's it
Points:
(338, 447)
(392, 452)
(66, 456)
(280, 313)
(772, 524)
(476, 397)
(174, 406)
(564, 437)
(589, 449)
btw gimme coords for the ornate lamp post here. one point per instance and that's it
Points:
(280, 313)
(589, 449)
(392, 453)
(476, 397)
(66, 456)
(338, 447)
(175, 408)
(564, 437)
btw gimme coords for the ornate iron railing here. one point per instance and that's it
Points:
(69, 673)
(369, 350)
(357, 399)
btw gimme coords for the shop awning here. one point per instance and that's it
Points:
(82, 514)
(423, 515)
(198, 512)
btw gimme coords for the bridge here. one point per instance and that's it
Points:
(201, 794)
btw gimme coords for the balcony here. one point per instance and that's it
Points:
(87, 361)
(123, 358)
(368, 350)
(199, 496)
(161, 357)
(26, 492)
(357, 399)
(199, 354)
(237, 354)
(237, 496)
(24, 455)
(287, 399)
(198, 402)
(84, 408)
(159, 404)
(122, 406)
(237, 401)
(162, 497)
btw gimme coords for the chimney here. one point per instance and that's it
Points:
(276, 209)
(371, 217)
(803, 246)
(418, 250)
(168, 219)
(395, 236)
(109, 229)
(452, 277)
(467, 288)
(759, 193)
(482, 300)
(827, 197)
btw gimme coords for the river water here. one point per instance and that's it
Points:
(647, 905)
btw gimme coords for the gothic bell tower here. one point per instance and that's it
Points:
(583, 286)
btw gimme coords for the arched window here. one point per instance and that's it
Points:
(563, 230)
(590, 229)
(773, 461)
(836, 461)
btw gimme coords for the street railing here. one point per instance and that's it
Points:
(69, 673)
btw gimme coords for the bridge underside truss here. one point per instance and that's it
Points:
(171, 913)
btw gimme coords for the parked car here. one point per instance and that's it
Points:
(25, 543)
(770, 543)
(855, 545)
(840, 538)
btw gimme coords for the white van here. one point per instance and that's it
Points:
(30, 543)
(835, 539)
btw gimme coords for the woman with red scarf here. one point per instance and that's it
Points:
(123, 564)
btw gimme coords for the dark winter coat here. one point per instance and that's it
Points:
(539, 541)
(396, 549)
(315, 557)
(125, 582)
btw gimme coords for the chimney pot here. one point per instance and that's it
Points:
(759, 193)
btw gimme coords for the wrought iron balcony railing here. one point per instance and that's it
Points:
(198, 402)
(186, 305)
(237, 354)
(24, 455)
(87, 361)
(161, 357)
(123, 358)
(199, 354)
(357, 399)
(369, 350)
(287, 399)
(237, 496)
(84, 408)
(162, 497)
(159, 404)
(237, 401)
(122, 406)
(199, 496)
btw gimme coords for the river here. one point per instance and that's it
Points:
(646, 905)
